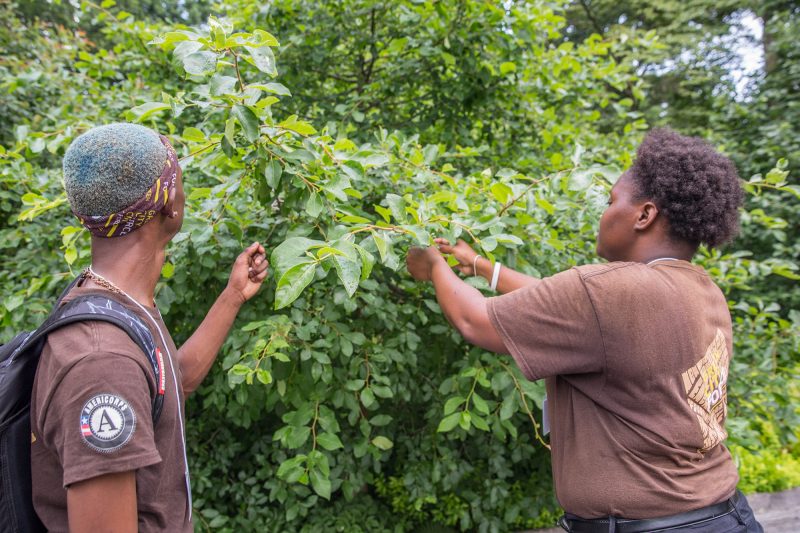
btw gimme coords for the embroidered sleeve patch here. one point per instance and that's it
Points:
(107, 422)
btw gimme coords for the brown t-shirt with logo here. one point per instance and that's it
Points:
(91, 414)
(636, 360)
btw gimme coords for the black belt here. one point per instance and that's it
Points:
(622, 525)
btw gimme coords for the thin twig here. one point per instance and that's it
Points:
(203, 149)
(525, 404)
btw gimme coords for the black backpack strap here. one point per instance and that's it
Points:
(69, 287)
(101, 308)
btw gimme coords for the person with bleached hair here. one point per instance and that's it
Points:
(99, 462)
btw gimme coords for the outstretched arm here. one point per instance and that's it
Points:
(198, 353)
(463, 305)
(472, 264)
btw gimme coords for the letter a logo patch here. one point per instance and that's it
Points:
(107, 422)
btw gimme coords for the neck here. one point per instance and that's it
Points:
(683, 251)
(134, 266)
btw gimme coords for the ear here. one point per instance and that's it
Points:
(169, 208)
(648, 212)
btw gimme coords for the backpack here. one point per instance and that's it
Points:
(18, 362)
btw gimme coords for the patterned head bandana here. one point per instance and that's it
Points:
(143, 210)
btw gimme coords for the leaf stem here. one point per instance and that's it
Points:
(242, 86)
(203, 149)
(525, 404)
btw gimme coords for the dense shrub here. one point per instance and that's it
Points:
(342, 399)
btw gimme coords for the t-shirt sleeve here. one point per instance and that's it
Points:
(550, 327)
(98, 420)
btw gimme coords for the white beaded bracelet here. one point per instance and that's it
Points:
(475, 265)
(495, 276)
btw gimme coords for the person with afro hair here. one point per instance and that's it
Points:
(101, 460)
(634, 352)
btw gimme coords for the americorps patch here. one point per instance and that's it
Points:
(107, 422)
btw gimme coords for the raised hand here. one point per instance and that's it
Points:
(249, 271)
(420, 261)
(463, 253)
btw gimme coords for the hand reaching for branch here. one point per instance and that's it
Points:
(249, 271)
(463, 253)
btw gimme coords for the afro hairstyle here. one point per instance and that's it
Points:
(695, 187)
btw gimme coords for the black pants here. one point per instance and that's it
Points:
(740, 519)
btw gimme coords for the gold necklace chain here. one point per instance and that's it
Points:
(100, 280)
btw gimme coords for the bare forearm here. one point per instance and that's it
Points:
(199, 352)
(509, 280)
(465, 308)
(455, 297)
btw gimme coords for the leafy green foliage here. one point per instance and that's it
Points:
(339, 138)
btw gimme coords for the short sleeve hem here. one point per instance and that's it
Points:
(516, 353)
(78, 473)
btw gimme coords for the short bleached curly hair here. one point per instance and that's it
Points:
(110, 167)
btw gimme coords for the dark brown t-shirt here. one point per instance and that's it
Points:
(91, 414)
(636, 360)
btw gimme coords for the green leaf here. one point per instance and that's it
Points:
(14, 301)
(449, 422)
(220, 84)
(544, 204)
(200, 63)
(264, 38)
(380, 420)
(397, 206)
(508, 407)
(38, 144)
(794, 189)
(193, 135)
(367, 262)
(381, 245)
(479, 423)
(298, 126)
(386, 214)
(314, 205)
(168, 270)
(144, 111)
(464, 420)
(452, 404)
(580, 180)
(329, 441)
(320, 484)
(507, 67)
(263, 59)
(298, 437)
(287, 467)
(367, 397)
(293, 282)
(349, 273)
(505, 238)
(230, 131)
(264, 376)
(272, 173)
(274, 88)
(248, 120)
(285, 255)
(70, 254)
(382, 443)
(501, 192)
(776, 176)
(480, 404)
